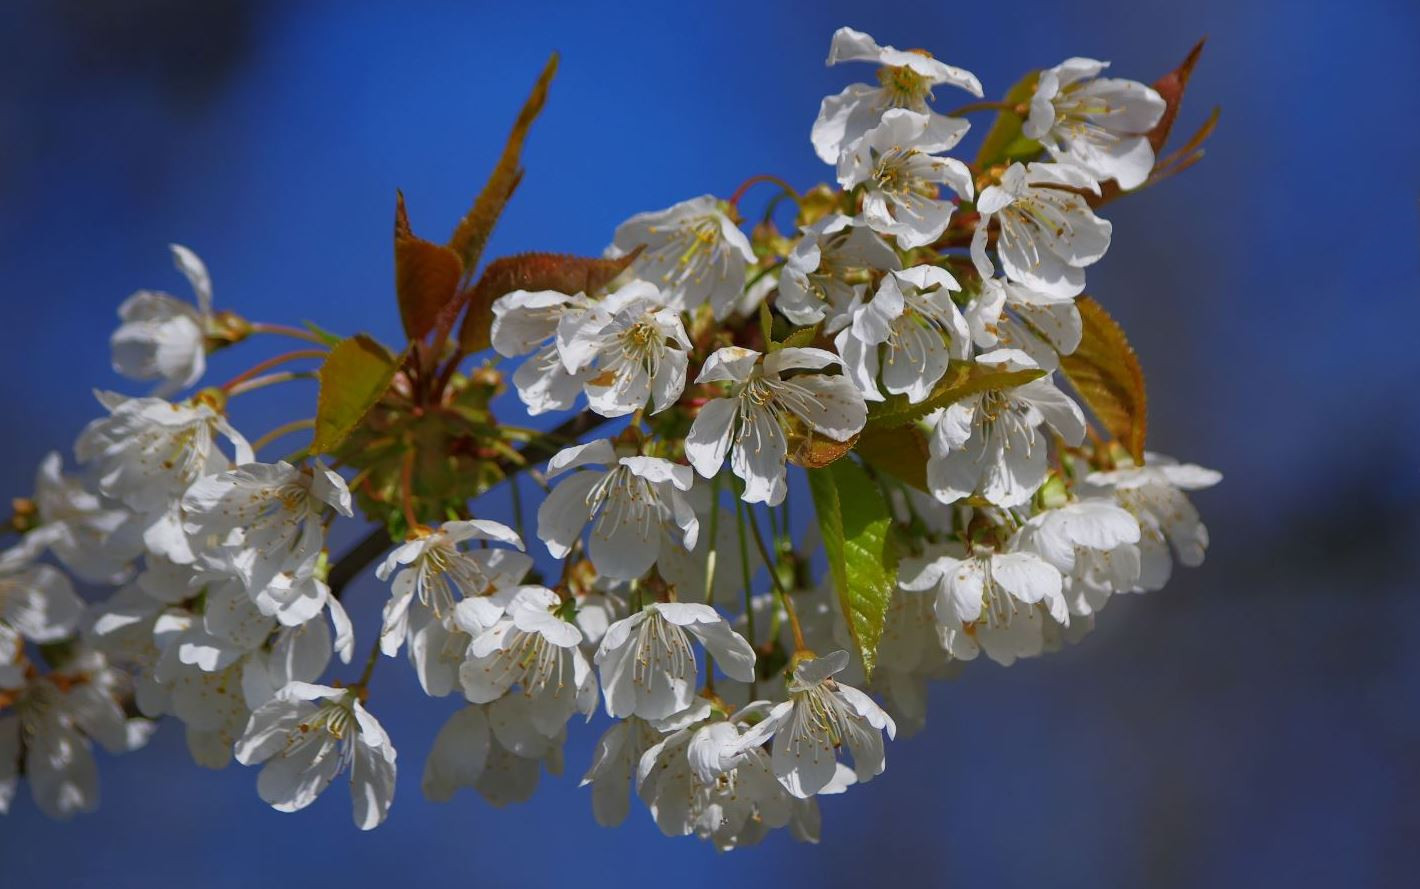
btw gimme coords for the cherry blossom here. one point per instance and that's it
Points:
(1099, 124)
(162, 337)
(692, 251)
(749, 424)
(905, 79)
(305, 736)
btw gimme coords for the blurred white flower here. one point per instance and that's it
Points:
(162, 337)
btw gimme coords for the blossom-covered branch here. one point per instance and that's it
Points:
(915, 358)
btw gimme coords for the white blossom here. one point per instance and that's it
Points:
(435, 569)
(269, 519)
(52, 718)
(913, 321)
(637, 347)
(993, 601)
(648, 667)
(1093, 544)
(1154, 494)
(821, 716)
(537, 651)
(901, 175)
(148, 451)
(614, 763)
(37, 603)
(1012, 316)
(905, 79)
(1099, 124)
(90, 536)
(468, 752)
(991, 443)
(692, 251)
(162, 337)
(1048, 233)
(821, 273)
(751, 420)
(631, 505)
(305, 736)
(524, 321)
(703, 780)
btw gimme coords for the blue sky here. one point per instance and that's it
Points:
(1255, 723)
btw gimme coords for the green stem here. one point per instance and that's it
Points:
(365, 674)
(745, 576)
(783, 594)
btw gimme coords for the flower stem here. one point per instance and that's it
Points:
(296, 333)
(984, 106)
(263, 366)
(406, 490)
(711, 554)
(363, 682)
(754, 180)
(784, 599)
(270, 380)
(283, 429)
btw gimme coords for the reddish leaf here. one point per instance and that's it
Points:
(1171, 87)
(813, 451)
(426, 276)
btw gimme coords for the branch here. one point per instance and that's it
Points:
(374, 544)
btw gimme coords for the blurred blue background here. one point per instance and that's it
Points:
(1257, 723)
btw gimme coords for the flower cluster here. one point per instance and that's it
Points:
(908, 344)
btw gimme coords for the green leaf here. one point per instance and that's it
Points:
(801, 338)
(898, 451)
(473, 230)
(962, 381)
(354, 376)
(856, 526)
(1005, 133)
